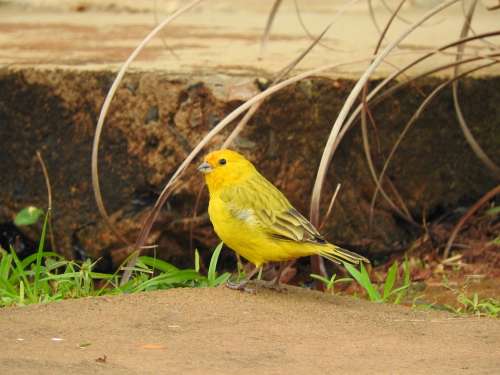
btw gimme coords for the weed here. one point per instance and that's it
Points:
(480, 307)
(46, 276)
(389, 291)
(331, 282)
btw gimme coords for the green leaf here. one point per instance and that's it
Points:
(212, 273)
(323, 279)
(196, 260)
(39, 255)
(364, 280)
(28, 216)
(390, 280)
(158, 264)
(222, 279)
(493, 211)
(169, 280)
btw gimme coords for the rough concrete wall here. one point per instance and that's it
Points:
(156, 120)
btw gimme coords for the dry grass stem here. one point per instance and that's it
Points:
(105, 108)
(474, 145)
(267, 31)
(49, 198)
(329, 148)
(489, 195)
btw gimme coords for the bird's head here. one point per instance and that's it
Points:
(225, 167)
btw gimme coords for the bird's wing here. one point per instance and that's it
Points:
(260, 202)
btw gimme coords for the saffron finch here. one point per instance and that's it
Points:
(252, 217)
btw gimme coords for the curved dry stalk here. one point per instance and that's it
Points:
(489, 195)
(427, 73)
(413, 120)
(404, 213)
(474, 145)
(337, 14)
(49, 198)
(146, 228)
(404, 20)
(329, 148)
(330, 207)
(279, 76)
(372, 95)
(167, 47)
(373, 17)
(267, 31)
(493, 7)
(105, 108)
(473, 31)
(46, 178)
(395, 12)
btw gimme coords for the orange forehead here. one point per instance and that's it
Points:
(214, 157)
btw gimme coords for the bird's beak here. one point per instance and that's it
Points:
(205, 167)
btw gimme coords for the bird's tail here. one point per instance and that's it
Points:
(338, 255)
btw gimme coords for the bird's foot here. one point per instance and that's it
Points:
(274, 285)
(241, 286)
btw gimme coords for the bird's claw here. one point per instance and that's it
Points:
(241, 286)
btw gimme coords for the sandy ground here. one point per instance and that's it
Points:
(208, 331)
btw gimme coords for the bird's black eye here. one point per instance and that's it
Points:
(222, 161)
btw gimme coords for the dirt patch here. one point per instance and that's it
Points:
(202, 331)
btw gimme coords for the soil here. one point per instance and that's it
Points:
(206, 331)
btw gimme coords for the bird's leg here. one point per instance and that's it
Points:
(242, 284)
(275, 283)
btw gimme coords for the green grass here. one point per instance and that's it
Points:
(46, 276)
(331, 282)
(388, 291)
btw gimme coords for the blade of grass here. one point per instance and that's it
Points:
(20, 272)
(158, 264)
(390, 280)
(212, 268)
(49, 198)
(38, 262)
(363, 279)
(196, 260)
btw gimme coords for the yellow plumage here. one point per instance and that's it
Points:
(252, 217)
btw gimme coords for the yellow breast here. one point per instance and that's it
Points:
(245, 236)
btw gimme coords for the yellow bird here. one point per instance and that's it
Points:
(252, 217)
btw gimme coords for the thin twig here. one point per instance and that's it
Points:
(267, 31)
(414, 118)
(489, 195)
(481, 155)
(364, 131)
(377, 99)
(373, 17)
(167, 47)
(49, 199)
(329, 148)
(337, 14)
(278, 78)
(104, 111)
(330, 207)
